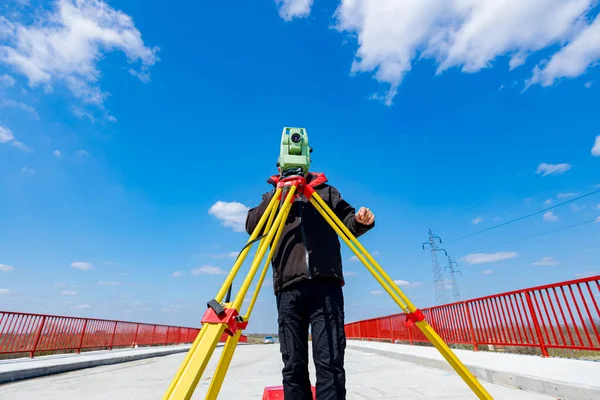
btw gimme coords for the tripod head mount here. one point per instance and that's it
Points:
(294, 154)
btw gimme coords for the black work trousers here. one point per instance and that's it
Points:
(320, 305)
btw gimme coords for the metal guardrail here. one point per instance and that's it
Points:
(39, 333)
(564, 315)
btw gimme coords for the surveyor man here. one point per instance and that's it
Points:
(308, 280)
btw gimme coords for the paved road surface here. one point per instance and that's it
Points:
(369, 376)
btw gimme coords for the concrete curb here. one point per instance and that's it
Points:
(23, 371)
(561, 390)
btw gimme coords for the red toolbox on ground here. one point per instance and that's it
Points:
(276, 393)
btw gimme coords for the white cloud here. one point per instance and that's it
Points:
(267, 283)
(586, 274)
(81, 306)
(376, 292)
(290, 9)
(5, 103)
(596, 149)
(487, 271)
(6, 80)
(81, 114)
(27, 171)
(477, 220)
(4, 291)
(82, 153)
(577, 207)
(109, 283)
(548, 202)
(467, 34)
(573, 59)
(354, 258)
(57, 153)
(231, 254)
(68, 293)
(597, 220)
(6, 136)
(84, 266)
(231, 214)
(588, 85)
(482, 258)
(6, 268)
(177, 274)
(565, 195)
(60, 285)
(552, 169)
(207, 269)
(550, 216)
(350, 273)
(546, 261)
(65, 45)
(598, 206)
(403, 283)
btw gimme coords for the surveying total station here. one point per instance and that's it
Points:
(224, 316)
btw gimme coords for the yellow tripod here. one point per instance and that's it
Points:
(225, 318)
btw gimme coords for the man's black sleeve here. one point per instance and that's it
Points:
(254, 214)
(346, 212)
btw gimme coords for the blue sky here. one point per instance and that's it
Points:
(123, 123)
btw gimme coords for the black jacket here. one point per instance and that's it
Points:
(309, 247)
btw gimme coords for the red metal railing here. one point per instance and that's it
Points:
(34, 333)
(564, 315)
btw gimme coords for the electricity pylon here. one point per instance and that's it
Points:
(441, 296)
(453, 271)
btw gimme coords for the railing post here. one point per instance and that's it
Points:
(153, 332)
(37, 337)
(136, 335)
(537, 325)
(82, 335)
(409, 329)
(471, 330)
(112, 339)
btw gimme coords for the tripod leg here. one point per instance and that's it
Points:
(223, 366)
(282, 216)
(238, 263)
(265, 269)
(184, 384)
(394, 291)
(232, 341)
(186, 379)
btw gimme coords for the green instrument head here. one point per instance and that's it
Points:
(294, 157)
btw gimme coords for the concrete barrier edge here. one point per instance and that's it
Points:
(562, 390)
(37, 372)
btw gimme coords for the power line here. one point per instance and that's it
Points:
(537, 234)
(469, 209)
(527, 216)
(560, 255)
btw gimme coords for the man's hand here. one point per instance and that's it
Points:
(364, 216)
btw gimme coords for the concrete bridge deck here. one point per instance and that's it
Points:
(374, 371)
